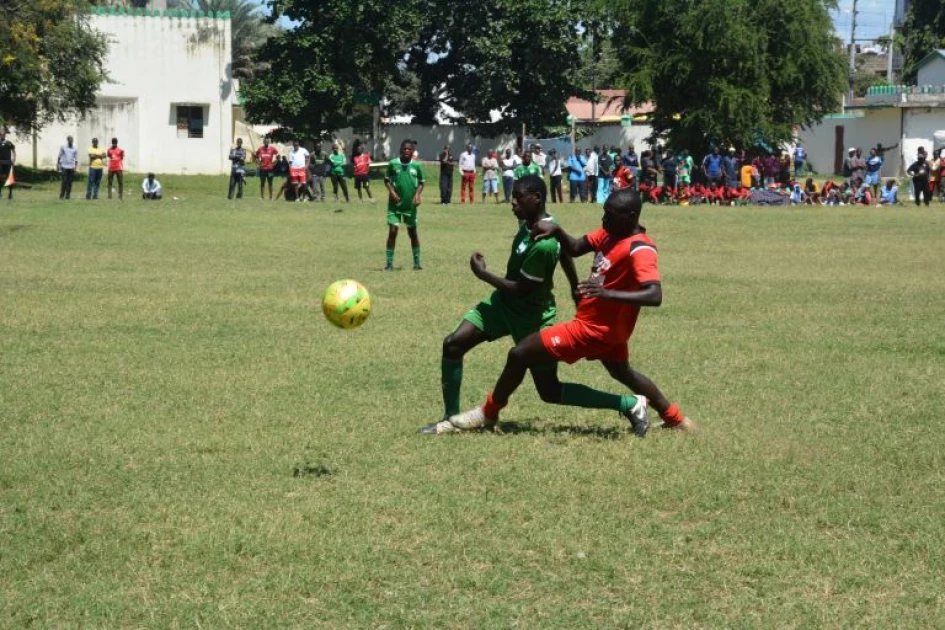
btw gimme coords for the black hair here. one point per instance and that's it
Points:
(406, 142)
(533, 184)
(625, 201)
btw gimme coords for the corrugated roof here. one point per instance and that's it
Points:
(938, 53)
(609, 105)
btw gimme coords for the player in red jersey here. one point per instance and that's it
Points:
(624, 278)
(362, 170)
(116, 168)
(266, 158)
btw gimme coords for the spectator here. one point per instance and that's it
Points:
(684, 167)
(919, 172)
(467, 172)
(889, 194)
(553, 166)
(811, 192)
(319, 168)
(648, 169)
(338, 179)
(576, 176)
(730, 168)
(362, 172)
(509, 163)
(590, 170)
(746, 179)
(861, 192)
(151, 188)
(490, 176)
(237, 170)
(800, 156)
(96, 165)
(873, 165)
(7, 162)
(446, 176)
(859, 165)
(770, 169)
(66, 164)
(299, 162)
(784, 169)
(538, 158)
(668, 166)
(849, 164)
(935, 167)
(116, 169)
(632, 161)
(266, 157)
(605, 174)
(712, 167)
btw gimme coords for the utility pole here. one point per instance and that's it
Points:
(852, 49)
(890, 51)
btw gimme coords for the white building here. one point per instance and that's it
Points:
(169, 100)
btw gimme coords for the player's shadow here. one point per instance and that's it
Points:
(530, 427)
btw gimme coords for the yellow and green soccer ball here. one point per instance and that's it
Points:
(346, 303)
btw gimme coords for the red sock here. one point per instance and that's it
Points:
(673, 415)
(491, 409)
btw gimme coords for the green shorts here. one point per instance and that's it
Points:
(494, 319)
(398, 214)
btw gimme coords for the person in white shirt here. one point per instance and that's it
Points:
(467, 170)
(298, 167)
(490, 176)
(67, 163)
(151, 188)
(538, 157)
(591, 171)
(553, 166)
(508, 164)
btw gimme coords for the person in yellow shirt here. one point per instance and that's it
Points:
(745, 176)
(96, 166)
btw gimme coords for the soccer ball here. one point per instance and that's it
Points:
(346, 303)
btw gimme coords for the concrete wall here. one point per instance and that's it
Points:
(863, 129)
(919, 130)
(932, 73)
(156, 64)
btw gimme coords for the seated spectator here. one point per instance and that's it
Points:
(797, 195)
(861, 192)
(151, 188)
(811, 192)
(833, 196)
(888, 194)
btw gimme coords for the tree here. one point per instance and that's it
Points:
(923, 32)
(51, 61)
(249, 30)
(734, 72)
(339, 52)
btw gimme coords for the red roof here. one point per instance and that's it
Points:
(609, 105)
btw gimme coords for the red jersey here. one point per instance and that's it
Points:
(115, 156)
(361, 164)
(623, 178)
(624, 264)
(266, 157)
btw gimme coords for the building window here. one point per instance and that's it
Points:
(190, 121)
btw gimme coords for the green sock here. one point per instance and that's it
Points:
(451, 379)
(575, 395)
(416, 256)
(390, 257)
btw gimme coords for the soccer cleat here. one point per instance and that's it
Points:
(388, 267)
(638, 416)
(417, 267)
(470, 420)
(686, 426)
(435, 428)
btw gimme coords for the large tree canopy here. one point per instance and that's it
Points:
(923, 32)
(729, 71)
(51, 61)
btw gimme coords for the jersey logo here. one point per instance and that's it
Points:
(521, 248)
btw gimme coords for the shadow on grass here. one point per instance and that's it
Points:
(530, 427)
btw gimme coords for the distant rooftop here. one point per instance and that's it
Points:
(609, 107)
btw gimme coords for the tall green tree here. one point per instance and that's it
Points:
(923, 32)
(729, 71)
(51, 61)
(338, 53)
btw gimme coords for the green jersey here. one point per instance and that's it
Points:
(338, 162)
(535, 261)
(404, 179)
(521, 170)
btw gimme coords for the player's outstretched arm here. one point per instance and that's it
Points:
(570, 245)
(513, 287)
(648, 295)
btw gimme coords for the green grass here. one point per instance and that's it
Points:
(185, 442)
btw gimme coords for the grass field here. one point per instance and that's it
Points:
(185, 442)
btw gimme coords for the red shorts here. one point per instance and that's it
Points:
(298, 175)
(574, 340)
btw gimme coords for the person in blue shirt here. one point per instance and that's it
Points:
(888, 194)
(800, 157)
(576, 175)
(873, 165)
(712, 167)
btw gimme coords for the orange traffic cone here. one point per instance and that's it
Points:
(11, 180)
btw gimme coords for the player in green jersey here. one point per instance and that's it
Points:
(404, 182)
(527, 167)
(523, 302)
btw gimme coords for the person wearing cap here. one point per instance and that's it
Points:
(849, 163)
(553, 166)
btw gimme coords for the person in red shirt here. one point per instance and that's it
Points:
(623, 178)
(116, 168)
(624, 278)
(266, 158)
(362, 178)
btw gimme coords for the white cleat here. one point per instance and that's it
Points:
(436, 428)
(470, 420)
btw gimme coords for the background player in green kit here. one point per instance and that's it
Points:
(523, 302)
(404, 182)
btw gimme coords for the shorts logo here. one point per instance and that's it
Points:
(556, 340)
